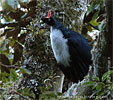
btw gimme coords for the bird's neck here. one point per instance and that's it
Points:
(54, 29)
(56, 24)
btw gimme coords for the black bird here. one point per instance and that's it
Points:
(71, 50)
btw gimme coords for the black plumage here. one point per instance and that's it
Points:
(78, 49)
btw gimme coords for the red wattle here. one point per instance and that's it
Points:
(49, 14)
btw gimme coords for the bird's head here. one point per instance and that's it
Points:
(49, 20)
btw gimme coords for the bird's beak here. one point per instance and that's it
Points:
(43, 19)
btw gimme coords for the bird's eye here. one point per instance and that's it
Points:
(48, 19)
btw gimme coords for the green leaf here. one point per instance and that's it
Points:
(95, 16)
(95, 5)
(111, 86)
(99, 86)
(91, 8)
(25, 71)
(26, 92)
(4, 79)
(89, 28)
(4, 76)
(89, 83)
(94, 22)
(106, 75)
(48, 95)
(4, 52)
(7, 19)
(97, 78)
(11, 61)
(13, 75)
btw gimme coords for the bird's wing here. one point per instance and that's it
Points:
(80, 56)
(81, 48)
(78, 44)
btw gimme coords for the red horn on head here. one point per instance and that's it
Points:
(49, 14)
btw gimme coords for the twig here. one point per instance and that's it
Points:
(8, 66)
(9, 24)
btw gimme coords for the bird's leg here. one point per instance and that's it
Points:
(59, 80)
(61, 83)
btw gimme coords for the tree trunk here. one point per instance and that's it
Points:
(103, 50)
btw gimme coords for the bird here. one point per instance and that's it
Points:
(71, 50)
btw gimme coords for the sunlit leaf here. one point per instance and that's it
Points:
(94, 22)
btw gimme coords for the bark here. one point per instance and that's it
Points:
(38, 59)
(103, 50)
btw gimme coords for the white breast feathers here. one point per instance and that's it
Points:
(60, 47)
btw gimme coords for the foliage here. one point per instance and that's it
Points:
(94, 17)
(9, 83)
(48, 95)
(102, 87)
(16, 15)
(14, 23)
